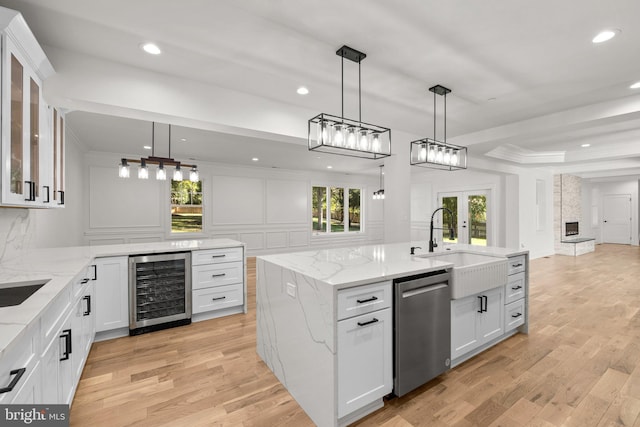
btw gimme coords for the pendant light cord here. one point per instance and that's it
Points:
(434, 116)
(359, 94)
(169, 141)
(342, 86)
(445, 119)
(153, 139)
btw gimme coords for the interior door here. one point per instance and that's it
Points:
(616, 218)
(470, 219)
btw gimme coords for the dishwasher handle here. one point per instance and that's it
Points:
(423, 289)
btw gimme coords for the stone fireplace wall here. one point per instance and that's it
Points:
(567, 206)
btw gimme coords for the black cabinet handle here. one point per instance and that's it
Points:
(47, 193)
(66, 334)
(516, 315)
(61, 202)
(517, 287)
(368, 323)
(362, 301)
(516, 265)
(218, 256)
(95, 272)
(18, 374)
(87, 298)
(31, 197)
(218, 298)
(85, 280)
(219, 275)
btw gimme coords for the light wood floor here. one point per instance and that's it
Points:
(579, 366)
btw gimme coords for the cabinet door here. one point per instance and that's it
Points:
(491, 321)
(365, 346)
(464, 326)
(111, 290)
(66, 375)
(88, 318)
(50, 372)
(30, 392)
(58, 159)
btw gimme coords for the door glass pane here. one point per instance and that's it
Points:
(354, 209)
(478, 220)
(318, 209)
(17, 155)
(449, 222)
(62, 153)
(55, 154)
(186, 206)
(337, 209)
(34, 131)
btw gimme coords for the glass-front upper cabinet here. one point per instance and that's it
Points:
(27, 140)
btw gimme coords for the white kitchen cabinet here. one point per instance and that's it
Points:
(516, 293)
(111, 281)
(365, 351)
(19, 368)
(476, 320)
(25, 128)
(217, 282)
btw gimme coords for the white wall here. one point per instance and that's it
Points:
(268, 209)
(593, 193)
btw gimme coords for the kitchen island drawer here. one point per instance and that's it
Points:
(363, 299)
(515, 288)
(206, 276)
(216, 256)
(514, 315)
(516, 264)
(217, 298)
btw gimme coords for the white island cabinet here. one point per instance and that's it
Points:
(324, 323)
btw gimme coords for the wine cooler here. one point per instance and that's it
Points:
(159, 291)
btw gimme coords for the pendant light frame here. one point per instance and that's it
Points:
(339, 135)
(161, 173)
(379, 195)
(435, 154)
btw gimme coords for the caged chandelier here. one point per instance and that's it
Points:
(431, 153)
(161, 172)
(339, 135)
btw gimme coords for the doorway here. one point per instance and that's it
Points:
(471, 216)
(616, 219)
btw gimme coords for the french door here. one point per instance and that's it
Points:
(470, 217)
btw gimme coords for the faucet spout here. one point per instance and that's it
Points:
(432, 242)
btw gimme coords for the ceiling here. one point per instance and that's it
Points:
(528, 85)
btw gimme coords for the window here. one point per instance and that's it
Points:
(332, 212)
(186, 207)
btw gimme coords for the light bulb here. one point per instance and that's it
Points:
(447, 157)
(439, 156)
(194, 176)
(454, 158)
(431, 156)
(177, 174)
(423, 152)
(123, 171)
(351, 137)
(375, 144)
(338, 137)
(161, 174)
(364, 141)
(143, 171)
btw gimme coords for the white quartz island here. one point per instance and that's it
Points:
(303, 316)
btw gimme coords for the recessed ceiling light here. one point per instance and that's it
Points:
(147, 147)
(151, 48)
(329, 167)
(636, 85)
(183, 139)
(255, 159)
(605, 35)
(585, 145)
(302, 90)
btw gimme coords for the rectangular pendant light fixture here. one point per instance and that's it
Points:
(348, 137)
(431, 153)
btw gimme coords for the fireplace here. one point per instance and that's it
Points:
(571, 229)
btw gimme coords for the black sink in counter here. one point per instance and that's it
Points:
(17, 292)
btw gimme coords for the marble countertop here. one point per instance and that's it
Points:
(60, 266)
(353, 266)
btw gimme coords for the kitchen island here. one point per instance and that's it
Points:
(324, 321)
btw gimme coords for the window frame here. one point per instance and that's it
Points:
(347, 224)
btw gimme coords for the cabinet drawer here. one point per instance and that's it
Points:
(21, 359)
(216, 256)
(363, 299)
(514, 315)
(206, 276)
(516, 264)
(514, 289)
(216, 298)
(52, 318)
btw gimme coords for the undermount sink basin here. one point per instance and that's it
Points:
(472, 273)
(15, 293)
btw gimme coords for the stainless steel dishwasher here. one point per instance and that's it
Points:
(422, 329)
